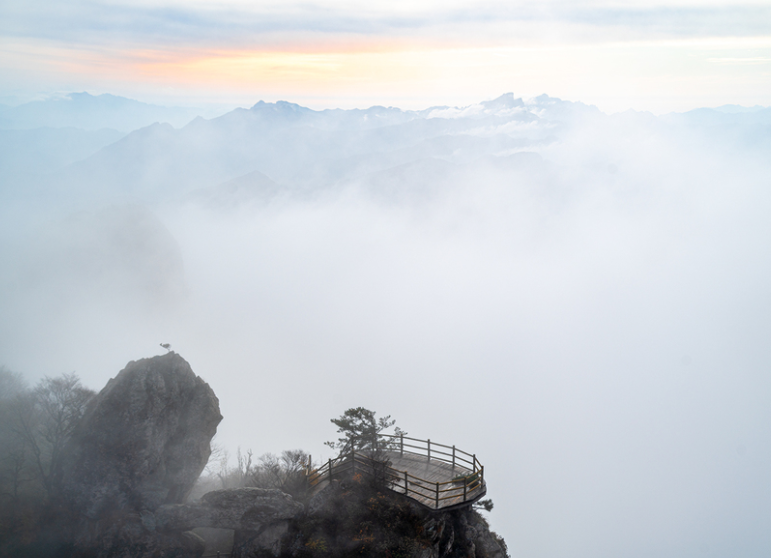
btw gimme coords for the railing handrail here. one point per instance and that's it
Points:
(400, 437)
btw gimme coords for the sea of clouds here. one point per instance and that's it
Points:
(579, 299)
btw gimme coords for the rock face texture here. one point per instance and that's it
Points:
(248, 509)
(260, 518)
(142, 443)
(350, 518)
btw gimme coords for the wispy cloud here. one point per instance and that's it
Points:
(238, 24)
(750, 61)
(387, 52)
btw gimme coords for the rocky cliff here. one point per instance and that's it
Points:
(355, 517)
(142, 443)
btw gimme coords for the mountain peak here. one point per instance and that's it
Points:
(505, 101)
(284, 107)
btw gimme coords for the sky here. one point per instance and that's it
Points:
(663, 57)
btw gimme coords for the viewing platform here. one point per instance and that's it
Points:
(437, 476)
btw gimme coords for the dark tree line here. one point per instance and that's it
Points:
(285, 472)
(35, 425)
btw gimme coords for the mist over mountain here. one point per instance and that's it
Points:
(25, 154)
(307, 149)
(738, 108)
(253, 187)
(580, 297)
(748, 129)
(92, 112)
(310, 151)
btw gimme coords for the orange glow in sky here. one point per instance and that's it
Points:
(408, 57)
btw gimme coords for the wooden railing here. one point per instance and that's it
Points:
(463, 488)
(432, 450)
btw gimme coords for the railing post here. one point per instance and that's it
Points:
(465, 486)
(474, 461)
(437, 494)
(453, 458)
(429, 449)
(406, 491)
(401, 445)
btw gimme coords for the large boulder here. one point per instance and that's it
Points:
(267, 542)
(142, 443)
(248, 509)
(260, 518)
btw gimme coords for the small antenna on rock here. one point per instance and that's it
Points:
(166, 346)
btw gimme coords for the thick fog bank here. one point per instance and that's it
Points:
(578, 299)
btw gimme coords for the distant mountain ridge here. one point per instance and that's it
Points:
(287, 145)
(90, 112)
(94, 112)
(301, 147)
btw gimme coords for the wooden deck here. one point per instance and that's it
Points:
(430, 472)
(429, 477)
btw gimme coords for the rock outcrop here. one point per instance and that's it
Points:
(260, 517)
(247, 509)
(142, 443)
(351, 517)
